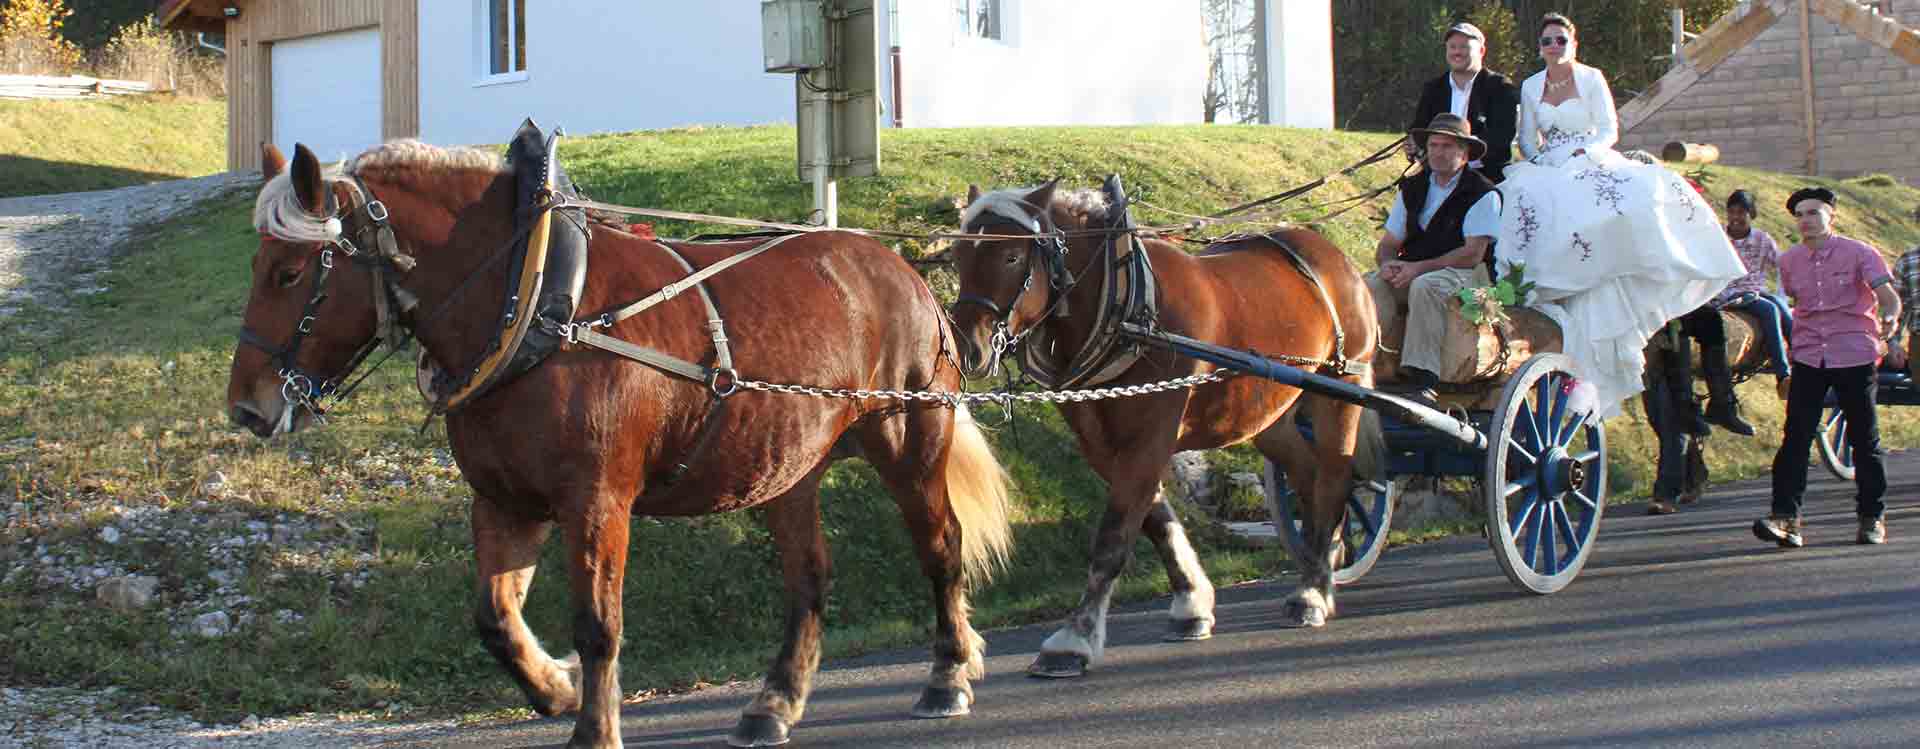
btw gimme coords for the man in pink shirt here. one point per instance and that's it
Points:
(1837, 284)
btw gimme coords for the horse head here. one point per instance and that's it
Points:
(1027, 244)
(310, 310)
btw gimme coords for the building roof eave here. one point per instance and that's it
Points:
(193, 15)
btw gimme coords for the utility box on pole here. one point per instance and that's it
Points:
(837, 90)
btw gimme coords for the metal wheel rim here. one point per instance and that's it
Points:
(1369, 518)
(1543, 512)
(1835, 453)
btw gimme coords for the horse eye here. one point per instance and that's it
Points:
(287, 276)
(1013, 258)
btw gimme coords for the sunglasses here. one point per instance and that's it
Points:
(1553, 41)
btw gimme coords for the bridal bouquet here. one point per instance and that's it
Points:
(1482, 305)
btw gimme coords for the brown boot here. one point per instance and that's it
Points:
(1872, 531)
(1661, 507)
(1781, 530)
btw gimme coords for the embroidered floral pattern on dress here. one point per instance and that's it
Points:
(1527, 220)
(1555, 138)
(1586, 247)
(1687, 195)
(1606, 187)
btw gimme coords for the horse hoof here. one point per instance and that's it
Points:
(1058, 666)
(758, 730)
(1303, 617)
(942, 702)
(1188, 630)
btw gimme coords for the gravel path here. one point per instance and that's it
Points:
(54, 247)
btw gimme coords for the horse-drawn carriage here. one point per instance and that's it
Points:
(1489, 372)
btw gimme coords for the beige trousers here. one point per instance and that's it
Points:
(1420, 334)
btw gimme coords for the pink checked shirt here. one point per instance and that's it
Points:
(1761, 257)
(1833, 304)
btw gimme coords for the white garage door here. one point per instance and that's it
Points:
(326, 93)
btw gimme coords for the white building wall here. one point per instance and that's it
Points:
(599, 66)
(616, 65)
(1061, 62)
(1300, 63)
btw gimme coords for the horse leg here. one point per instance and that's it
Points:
(1133, 481)
(794, 519)
(952, 495)
(1191, 615)
(597, 566)
(1336, 427)
(506, 549)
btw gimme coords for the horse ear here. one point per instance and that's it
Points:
(306, 180)
(1042, 196)
(272, 162)
(973, 194)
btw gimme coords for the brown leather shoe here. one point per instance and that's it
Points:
(1661, 507)
(1784, 531)
(1872, 531)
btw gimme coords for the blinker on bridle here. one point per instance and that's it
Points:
(300, 388)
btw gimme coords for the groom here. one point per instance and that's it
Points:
(1482, 97)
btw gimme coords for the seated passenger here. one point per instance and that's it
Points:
(1437, 242)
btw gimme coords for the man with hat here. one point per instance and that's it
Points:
(1482, 97)
(1837, 284)
(1437, 241)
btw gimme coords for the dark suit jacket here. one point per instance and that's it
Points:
(1493, 107)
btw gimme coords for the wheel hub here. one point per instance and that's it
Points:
(1559, 472)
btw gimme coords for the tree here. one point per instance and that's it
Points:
(30, 41)
(95, 22)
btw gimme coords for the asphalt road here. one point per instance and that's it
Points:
(1682, 631)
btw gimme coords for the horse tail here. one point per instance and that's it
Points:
(1370, 448)
(978, 491)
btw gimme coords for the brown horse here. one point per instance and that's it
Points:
(1244, 293)
(582, 441)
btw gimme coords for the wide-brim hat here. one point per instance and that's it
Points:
(1453, 126)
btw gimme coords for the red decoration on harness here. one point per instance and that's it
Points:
(643, 231)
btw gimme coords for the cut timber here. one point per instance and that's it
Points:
(1690, 153)
(1472, 352)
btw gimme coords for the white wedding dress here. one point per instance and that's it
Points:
(1615, 247)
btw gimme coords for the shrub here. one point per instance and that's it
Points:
(30, 41)
(143, 51)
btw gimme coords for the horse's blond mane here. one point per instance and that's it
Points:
(278, 212)
(1081, 206)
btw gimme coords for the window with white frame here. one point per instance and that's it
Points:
(979, 19)
(506, 36)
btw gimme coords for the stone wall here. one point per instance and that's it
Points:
(1866, 104)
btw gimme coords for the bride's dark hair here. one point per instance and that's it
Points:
(1555, 19)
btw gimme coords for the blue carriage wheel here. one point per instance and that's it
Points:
(1835, 453)
(1368, 519)
(1546, 477)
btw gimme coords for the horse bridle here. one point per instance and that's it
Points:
(1051, 245)
(300, 388)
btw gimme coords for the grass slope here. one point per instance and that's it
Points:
(120, 404)
(70, 146)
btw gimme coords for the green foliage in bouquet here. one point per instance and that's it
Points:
(1482, 305)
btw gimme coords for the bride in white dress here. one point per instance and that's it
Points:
(1616, 248)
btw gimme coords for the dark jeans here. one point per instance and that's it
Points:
(1667, 378)
(1776, 323)
(1855, 389)
(1703, 324)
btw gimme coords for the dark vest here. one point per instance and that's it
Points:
(1446, 232)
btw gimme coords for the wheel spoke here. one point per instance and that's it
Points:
(1524, 482)
(1573, 430)
(1532, 460)
(1533, 425)
(1585, 500)
(1586, 458)
(1559, 414)
(1358, 514)
(1565, 525)
(1543, 533)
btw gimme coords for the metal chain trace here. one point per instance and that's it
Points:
(952, 399)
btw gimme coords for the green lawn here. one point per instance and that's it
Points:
(70, 146)
(119, 402)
